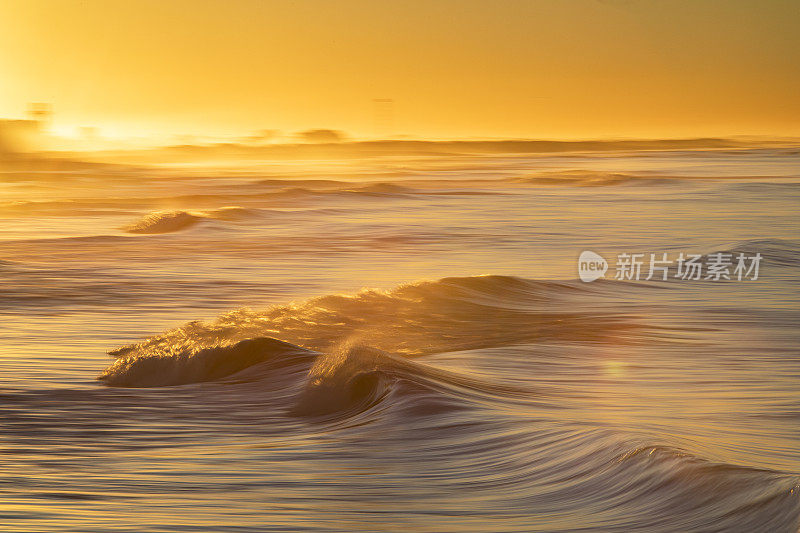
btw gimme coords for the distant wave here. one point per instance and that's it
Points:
(593, 178)
(164, 222)
(316, 183)
(176, 220)
(779, 252)
(372, 189)
(172, 221)
(384, 188)
(601, 178)
(234, 213)
(257, 196)
(379, 148)
(767, 188)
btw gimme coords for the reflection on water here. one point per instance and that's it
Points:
(254, 383)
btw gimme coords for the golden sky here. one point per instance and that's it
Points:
(540, 69)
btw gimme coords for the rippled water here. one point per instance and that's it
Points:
(398, 344)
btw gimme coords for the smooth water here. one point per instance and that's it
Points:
(398, 344)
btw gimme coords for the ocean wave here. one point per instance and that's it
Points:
(172, 221)
(419, 318)
(630, 482)
(678, 491)
(383, 188)
(780, 252)
(354, 377)
(9, 265)
(179, 367)
(379, 190)
(350, 380)
(593, 178)
(164, 222)
(415, 319)
(281, 183)
(777, 185)
(345, 381)
(366, 376)
(192, 208)
(394, 148)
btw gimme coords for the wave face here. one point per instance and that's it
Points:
(207, 364)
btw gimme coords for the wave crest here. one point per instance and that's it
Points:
(417, 318)
(164, 222)
(182, 366)
(172, 221)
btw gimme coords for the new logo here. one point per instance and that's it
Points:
(591, 266)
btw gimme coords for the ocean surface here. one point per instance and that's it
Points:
(398, 343)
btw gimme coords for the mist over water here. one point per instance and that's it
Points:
(398, 342)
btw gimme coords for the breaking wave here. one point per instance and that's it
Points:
(172, 221)
(345, 352)
(361, 360)
(417, 318)
(207, 364)
(164, 222)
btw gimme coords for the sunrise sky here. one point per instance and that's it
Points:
(537, 69)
